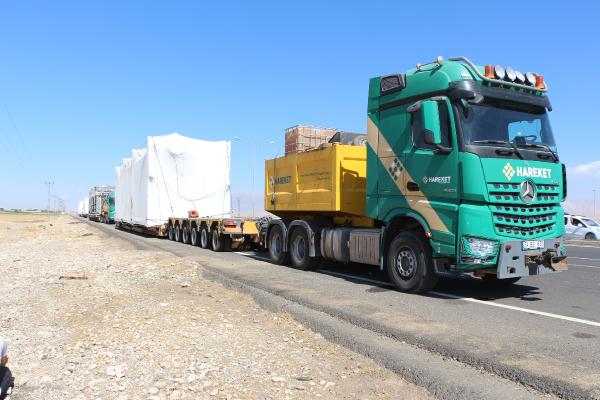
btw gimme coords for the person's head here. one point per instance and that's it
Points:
(3, 352)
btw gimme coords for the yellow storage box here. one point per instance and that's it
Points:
(330, 180)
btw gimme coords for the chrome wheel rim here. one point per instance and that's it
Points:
(406, 263)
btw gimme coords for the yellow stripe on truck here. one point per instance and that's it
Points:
(417, 201)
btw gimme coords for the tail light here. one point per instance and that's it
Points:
(193, 214)
(229, 223)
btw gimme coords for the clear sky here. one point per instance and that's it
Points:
(81, 83)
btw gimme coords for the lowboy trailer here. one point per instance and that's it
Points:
(218, 234)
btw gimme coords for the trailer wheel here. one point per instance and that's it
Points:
(171, 233)
(409, 263)
(275, 241)
(195, 237)
(204, 238)
(185, 234)
(299, 250)
(220, 242)
(178, 234)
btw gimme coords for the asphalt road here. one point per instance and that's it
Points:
(542, 332)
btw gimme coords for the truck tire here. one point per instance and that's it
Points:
(275, 244)
(299, 250)
(178, 234)
(205, 238)
(171, 232)
(220, 242)
(409, 263)
(185, 235)
(195, 237)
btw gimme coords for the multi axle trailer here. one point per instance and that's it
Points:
(218, 234)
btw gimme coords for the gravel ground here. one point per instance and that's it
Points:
(145, 325)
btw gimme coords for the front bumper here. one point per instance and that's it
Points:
(514, 262)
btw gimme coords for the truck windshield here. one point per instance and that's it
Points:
(590, 222)
(506, 123)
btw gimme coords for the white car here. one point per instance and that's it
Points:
(580, 227)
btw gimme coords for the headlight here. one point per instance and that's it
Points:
(500, 72)
(510, 74)
(520, 78)
(530, 77)
(477, 247)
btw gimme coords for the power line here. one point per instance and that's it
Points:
(24, 148)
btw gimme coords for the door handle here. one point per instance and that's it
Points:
(412, 186)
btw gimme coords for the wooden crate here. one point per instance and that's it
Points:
(301, 138)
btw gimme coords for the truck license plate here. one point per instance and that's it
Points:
(532, 244)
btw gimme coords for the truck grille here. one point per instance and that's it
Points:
(509, 193)
(512, 217)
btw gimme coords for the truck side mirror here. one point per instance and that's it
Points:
(430, 116)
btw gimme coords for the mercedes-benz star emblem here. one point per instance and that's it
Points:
(527, 191)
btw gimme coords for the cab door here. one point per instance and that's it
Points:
(431, 174)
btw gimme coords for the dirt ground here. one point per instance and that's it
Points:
(145, 325)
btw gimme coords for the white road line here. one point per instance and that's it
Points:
(525, 310)
(583, 258)
(581, 265)
(472, 300)
(577, 245)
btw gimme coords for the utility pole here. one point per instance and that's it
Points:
(49, 183)
(594, 190)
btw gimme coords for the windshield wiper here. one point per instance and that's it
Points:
(541, 146)
(505, 142)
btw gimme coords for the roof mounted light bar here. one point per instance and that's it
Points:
(498, 81)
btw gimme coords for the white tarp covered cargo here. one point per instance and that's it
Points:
(86, 206)
(171, 176)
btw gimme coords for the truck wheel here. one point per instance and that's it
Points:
(299, 249)
(409, 264)
(590, 236)
(275, 241)
(185, 235)
(220, 242)
(204, 238)
(178, 233)
(194, 236)
(171, 233)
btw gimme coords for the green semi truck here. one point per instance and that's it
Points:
(108, 209)
(459, 174)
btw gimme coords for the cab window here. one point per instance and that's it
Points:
(577, 222)
(417, 129)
